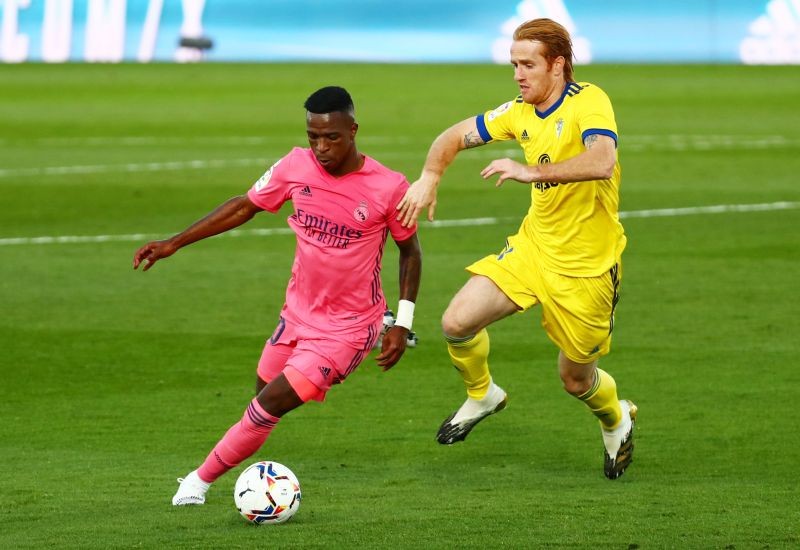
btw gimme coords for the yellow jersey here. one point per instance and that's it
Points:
(574, 227)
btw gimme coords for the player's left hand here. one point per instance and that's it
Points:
(392, 347)
(153, 251)
(508, 170)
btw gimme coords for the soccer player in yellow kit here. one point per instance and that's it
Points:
(566, 255)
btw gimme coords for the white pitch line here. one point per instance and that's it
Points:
(131, 167)
(471, 222)
(147, 141)
(198, 164)
(724, 140)
(714, 209)
(632, 143)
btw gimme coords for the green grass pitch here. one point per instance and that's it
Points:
(114, 382)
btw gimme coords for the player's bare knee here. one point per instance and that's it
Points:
(278, 397)
(578, 379)
(574, 386)
(452, 326)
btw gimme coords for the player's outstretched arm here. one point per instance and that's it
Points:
(443, 150)
(232, 213)
(394, 341)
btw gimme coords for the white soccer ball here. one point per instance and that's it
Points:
(267, 492)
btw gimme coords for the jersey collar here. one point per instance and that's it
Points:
(555, 105)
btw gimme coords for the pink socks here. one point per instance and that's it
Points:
(241, 441)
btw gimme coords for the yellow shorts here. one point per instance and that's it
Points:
(577, 312)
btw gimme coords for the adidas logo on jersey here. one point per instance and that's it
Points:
(524, 136)
(326, 371)
(306, 191)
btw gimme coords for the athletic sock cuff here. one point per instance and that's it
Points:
(454, 340)
(593, 390)
(257, 415)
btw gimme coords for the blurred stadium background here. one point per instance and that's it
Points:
(412, 31)
(113, 382)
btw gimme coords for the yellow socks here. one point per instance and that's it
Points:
(603, 401)
(470, 357)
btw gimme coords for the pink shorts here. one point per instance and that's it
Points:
(313, 362)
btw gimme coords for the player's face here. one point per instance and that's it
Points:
(538, 80)
(332, 139)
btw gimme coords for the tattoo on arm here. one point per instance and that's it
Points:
(590, 141)
(471, 139)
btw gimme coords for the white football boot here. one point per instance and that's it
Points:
(619, 442)
(458, 425)
(192, 490)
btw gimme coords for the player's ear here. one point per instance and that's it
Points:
(558, 66)
(354, 129)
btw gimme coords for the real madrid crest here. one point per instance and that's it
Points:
(362, 212)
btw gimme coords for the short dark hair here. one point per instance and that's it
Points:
(330, 99)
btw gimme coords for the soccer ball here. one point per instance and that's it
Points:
(267, 492)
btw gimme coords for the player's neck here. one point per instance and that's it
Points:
(553, 95)
(353, 163)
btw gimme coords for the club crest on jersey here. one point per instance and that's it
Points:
(362, 212)
(559, 127)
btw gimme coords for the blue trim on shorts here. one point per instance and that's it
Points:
(276, 334)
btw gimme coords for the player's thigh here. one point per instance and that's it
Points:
(277, 351)
(479, 303)
(322, 362)
(578, 314)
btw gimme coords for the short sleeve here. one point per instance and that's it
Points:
(399, 233)
(497, 124)
(595, 115)
(271, 190)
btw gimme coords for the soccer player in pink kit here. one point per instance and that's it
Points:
(343, 211)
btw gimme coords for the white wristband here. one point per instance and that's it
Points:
(405, 314)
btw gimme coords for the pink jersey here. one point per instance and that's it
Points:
(341, 224)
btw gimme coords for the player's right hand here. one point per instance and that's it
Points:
(421, 194)
(152, 252)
